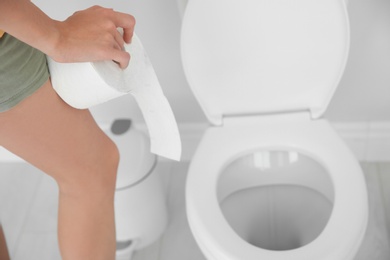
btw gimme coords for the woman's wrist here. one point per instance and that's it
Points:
(25, 21)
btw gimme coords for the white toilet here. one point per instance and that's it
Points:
(270, 179)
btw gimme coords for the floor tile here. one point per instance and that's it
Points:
(176, 195)
(18, 187)
(178, 242)
(33, 246)
(384, 180)
(29, 192)
(152, 252)
(164, 168)
(375, 245)
(43, 214)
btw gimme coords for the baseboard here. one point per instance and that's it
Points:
(369, 141)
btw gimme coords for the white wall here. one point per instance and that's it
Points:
(363, 94)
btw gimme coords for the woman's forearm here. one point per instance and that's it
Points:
(25, 21)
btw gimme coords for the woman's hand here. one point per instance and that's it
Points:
(92, 35)
(88, 35)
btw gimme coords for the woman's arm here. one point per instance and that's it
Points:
(87, 35)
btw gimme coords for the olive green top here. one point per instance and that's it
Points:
(23, 70)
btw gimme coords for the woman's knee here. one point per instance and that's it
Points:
(106, 164)
(95, 173)
(64, 142)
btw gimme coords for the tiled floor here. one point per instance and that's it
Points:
(28, 211)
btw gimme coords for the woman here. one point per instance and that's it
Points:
(64, 142)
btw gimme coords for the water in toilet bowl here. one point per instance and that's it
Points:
(276, 200)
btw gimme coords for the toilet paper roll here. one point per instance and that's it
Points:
(86, 84)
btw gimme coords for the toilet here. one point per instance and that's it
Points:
(270, 178)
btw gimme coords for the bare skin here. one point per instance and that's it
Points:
(3, 246)
(67, 144)
(64, 142)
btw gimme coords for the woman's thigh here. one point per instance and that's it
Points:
(64, 142)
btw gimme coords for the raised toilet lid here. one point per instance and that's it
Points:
(346, 226)
(251, 57)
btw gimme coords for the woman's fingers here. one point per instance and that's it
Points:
(127, 23)
(121, 57)
(92, 35)
(119, 40)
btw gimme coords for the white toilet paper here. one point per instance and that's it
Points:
(83, 85)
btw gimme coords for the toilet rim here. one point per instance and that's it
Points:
(345, 228)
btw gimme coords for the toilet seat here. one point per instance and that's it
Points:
(345, 229)
(257, 57)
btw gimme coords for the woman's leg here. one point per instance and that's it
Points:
(67, 144)
(3, 246)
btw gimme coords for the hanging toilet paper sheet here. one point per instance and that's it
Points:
(83, 85)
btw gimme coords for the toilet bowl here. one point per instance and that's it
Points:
(329, 171)
(270, 178)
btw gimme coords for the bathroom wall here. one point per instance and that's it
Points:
(363, 94)
(364, 91)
